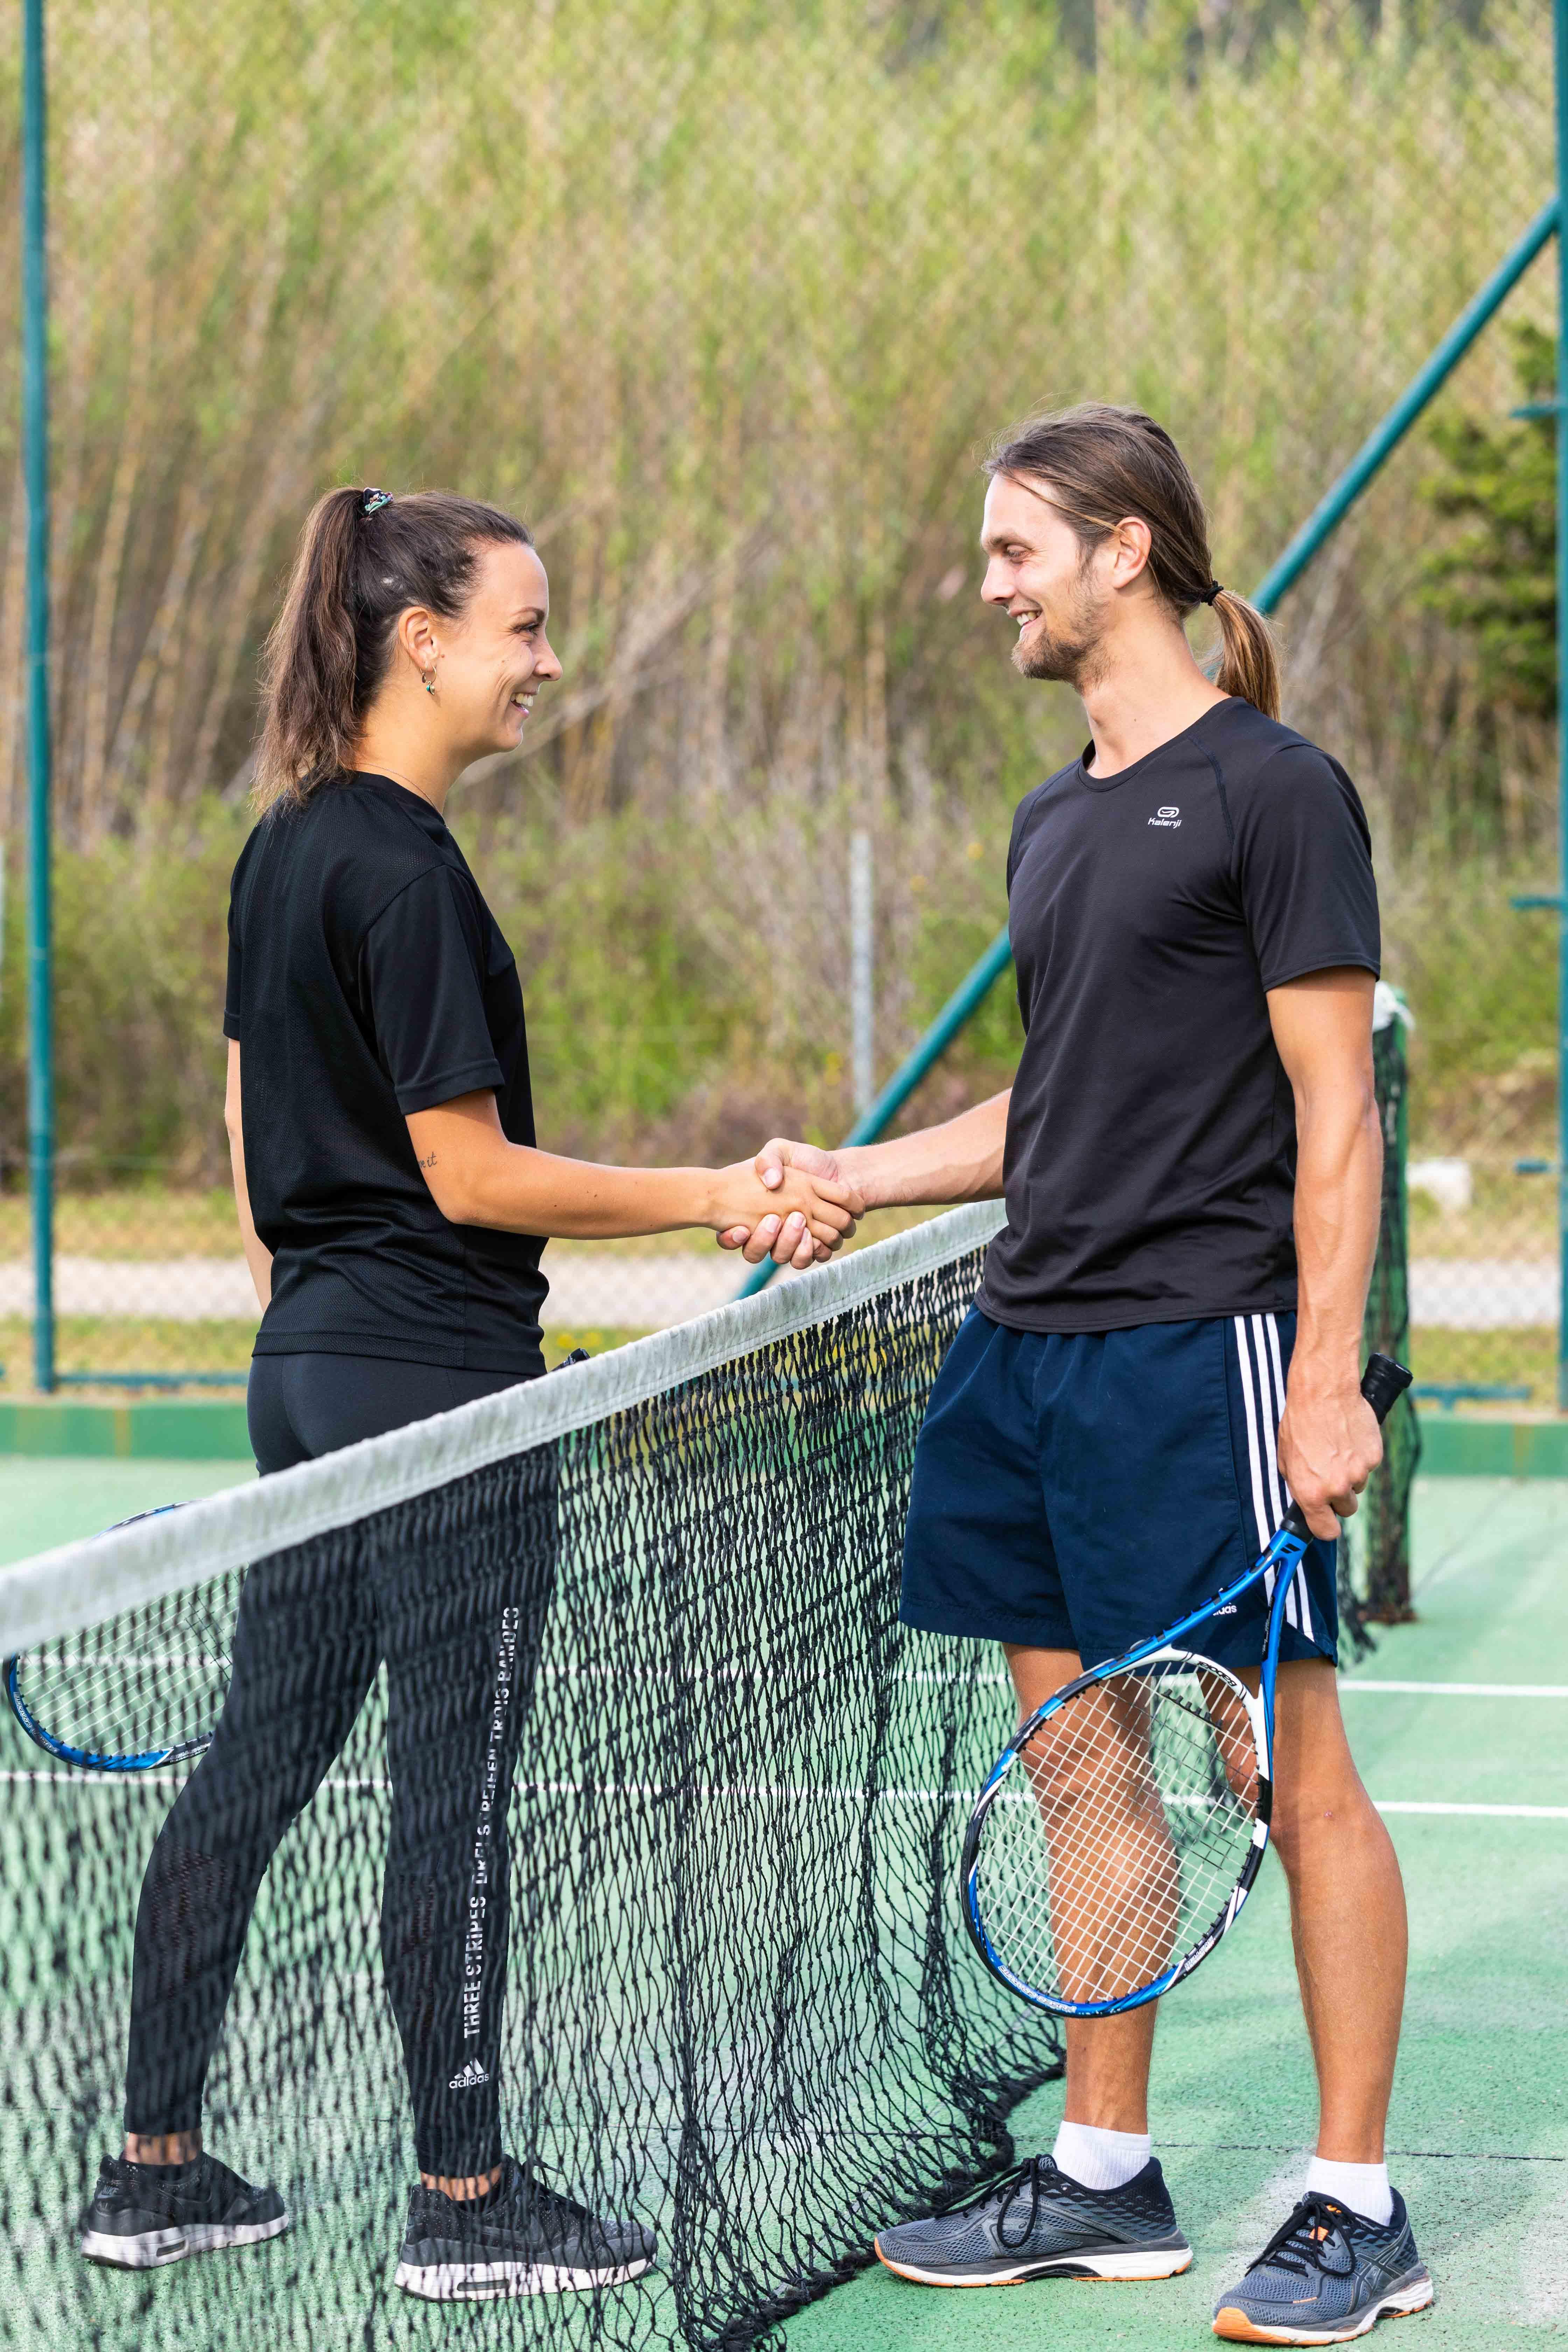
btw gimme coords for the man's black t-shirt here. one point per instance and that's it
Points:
(367, 979)
(1151, 1155)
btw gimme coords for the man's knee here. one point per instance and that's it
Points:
(1317, 1814)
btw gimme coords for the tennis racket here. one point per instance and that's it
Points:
(144, 1689)
(1123, 1829)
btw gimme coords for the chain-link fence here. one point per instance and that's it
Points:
(725, 304)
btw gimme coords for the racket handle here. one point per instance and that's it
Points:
(1383, 1384)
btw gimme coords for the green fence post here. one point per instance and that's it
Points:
(1560, 17)
(36, 464)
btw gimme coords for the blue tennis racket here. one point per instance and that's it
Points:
(1123, 1829)
(144, 1689)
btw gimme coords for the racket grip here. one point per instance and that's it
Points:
(1383, 1384)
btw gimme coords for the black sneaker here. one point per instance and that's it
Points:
(1038, 2223)
(143, 2215)
(1326, 2277)
(524, 2239)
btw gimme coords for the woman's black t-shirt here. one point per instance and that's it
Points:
(367, 978)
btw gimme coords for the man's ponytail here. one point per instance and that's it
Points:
(363, 559)
(1249, 660)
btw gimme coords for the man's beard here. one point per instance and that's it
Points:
(1066, 656)
(1064, 659)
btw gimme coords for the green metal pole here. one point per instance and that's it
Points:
(35, 465)
(965, 1001)
(1324, 519)
(1560, 19)
(1380, 445)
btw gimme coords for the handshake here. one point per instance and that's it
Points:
(793, 1203)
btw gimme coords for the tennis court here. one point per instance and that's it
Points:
(1481, 2126)
(1479, 2133)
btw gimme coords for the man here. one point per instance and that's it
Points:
(1168, 1334)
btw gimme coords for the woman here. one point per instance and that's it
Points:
(393, 1207)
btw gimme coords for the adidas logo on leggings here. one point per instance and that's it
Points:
(472, 2076)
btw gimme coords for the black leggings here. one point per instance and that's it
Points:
(454, 1602)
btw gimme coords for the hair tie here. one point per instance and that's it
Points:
(1211, 592)
(373, 501)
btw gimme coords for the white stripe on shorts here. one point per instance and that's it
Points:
(1254, 1451)
(1302, 1594)
(1263, 1401)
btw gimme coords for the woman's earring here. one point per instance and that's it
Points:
(427, 679)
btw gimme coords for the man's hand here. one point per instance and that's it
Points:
(1329, 1444)
(783, 1239)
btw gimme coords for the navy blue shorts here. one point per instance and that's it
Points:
(1083, 1490)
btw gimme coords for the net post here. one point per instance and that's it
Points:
(36, 464)
(1383, 1523)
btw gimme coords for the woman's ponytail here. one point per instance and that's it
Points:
(1249, 660)
(363, 559)
(308, 667)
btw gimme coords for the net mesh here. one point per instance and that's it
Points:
(1374, 1562)
(1118, 1832)
(737, 2003)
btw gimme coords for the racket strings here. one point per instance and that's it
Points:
(1119, 1832)
(152, 1680)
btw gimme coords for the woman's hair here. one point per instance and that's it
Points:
(363, 559)
(1103, 463)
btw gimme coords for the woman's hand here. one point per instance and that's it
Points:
(812, 1214)
(769, 1239)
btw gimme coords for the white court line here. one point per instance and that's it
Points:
(1492, 1813)
(815, 1795)
(1461, 1690)
(133, 1659)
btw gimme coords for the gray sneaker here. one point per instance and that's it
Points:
(1037, 2223)
(1325, 2276)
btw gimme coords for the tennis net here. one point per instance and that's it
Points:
(737, 2003)
(1375, 1559)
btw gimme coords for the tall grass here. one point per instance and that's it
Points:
(724, 299)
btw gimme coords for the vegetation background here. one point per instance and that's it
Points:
(726, 299)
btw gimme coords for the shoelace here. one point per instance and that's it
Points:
(1034, 2172)
(1305, 2241)
(535, 2186)
(1001, 2193)
(528, 2187)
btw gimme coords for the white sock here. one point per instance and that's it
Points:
(1100, 2160)
(1362, 2187)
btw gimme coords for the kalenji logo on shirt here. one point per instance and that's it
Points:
(1168, 818)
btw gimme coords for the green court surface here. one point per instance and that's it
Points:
(1479, 2131)
(45, 1502)
(1479, 2137)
